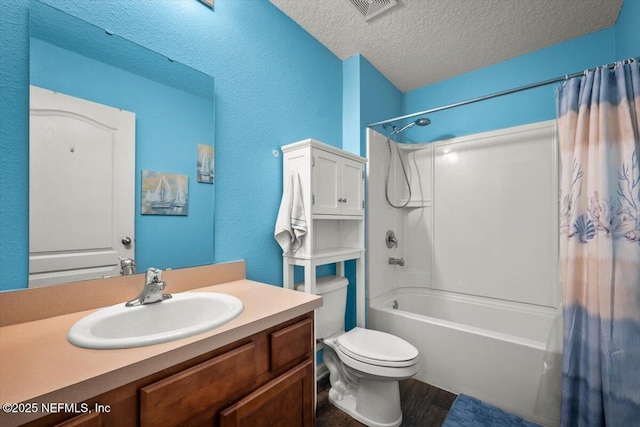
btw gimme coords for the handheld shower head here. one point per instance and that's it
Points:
(419, 122)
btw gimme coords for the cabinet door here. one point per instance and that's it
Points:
(287, 401)
(326, 188)
(291, 344)
(352, 188)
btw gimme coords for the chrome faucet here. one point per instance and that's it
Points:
(152, 291)
(127, 266)
(397, 261)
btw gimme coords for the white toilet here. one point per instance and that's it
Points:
(364, 365)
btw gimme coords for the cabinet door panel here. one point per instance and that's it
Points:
(325, 183)
(352, 187)
(203, 388)
(286, 401)
(291, 343)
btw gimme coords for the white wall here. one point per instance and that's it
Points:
(380, 217)
(482, 218)
(412, 225)
(496, 215)
(416, 219)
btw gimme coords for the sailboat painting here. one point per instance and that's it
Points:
(164, 193)
(205, 163)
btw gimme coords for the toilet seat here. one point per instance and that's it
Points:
(377, 348)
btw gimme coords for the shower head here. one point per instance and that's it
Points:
(419, 122)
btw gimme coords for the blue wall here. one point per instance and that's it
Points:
(511, 110)
(351, 95)
(628, 30)
(368, 97)
(275, 84)
(166, 141)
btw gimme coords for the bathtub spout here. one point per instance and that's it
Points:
(397, 261)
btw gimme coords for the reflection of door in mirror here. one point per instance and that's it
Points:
(81, 190)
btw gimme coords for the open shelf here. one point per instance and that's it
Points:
(337, 217)
(415, 203)
(326, 256)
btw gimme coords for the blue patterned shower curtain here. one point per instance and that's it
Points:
(598, 125)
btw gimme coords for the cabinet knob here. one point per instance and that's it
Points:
(340, 200)
(344, 200)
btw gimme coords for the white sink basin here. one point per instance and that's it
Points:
(185, 314)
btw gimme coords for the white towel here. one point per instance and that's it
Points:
(291, 225)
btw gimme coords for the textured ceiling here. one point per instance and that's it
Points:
(419, 42)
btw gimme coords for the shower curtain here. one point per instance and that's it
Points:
(598, 125)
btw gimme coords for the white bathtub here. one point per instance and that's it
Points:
(485, 348)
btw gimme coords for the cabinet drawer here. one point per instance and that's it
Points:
(203, 388)
(291, 343)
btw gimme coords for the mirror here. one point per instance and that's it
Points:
(173, 109)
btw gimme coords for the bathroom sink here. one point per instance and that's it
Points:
(184, 315)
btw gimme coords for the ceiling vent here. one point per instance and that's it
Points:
(370, 8)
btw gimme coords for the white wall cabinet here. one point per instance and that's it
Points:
(337, 184)
(332, 191)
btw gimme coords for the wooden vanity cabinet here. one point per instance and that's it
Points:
(266, 379)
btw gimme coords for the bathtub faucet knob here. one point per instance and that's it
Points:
(391, 240)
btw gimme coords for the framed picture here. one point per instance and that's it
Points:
(164, 193)
(205, 164)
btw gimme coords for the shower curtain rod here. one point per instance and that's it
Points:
(497, 94)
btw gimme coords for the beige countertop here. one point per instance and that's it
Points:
(38, 364)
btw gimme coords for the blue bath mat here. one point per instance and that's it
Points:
(467, 412)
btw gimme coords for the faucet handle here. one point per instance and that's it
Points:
(153, 275)
(390, 239)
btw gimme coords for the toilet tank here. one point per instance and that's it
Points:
(330, 317)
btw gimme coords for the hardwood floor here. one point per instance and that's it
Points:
(423, 405)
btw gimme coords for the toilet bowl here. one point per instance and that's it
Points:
(364, 365)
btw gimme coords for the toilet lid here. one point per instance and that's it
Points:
(377, 348)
